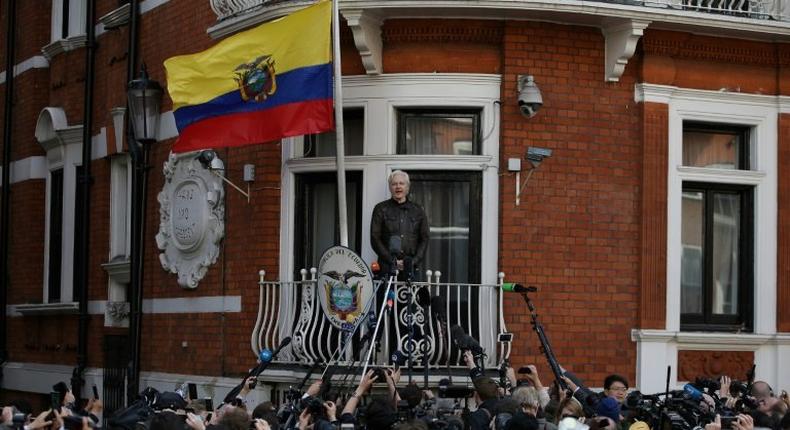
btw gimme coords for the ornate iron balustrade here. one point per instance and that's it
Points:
(760, 9)
(294, 309)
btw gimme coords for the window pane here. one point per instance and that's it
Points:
(446, 204)
(726, 234)
(439, 132)
(55, 234)
(325, 144)
(713, 149)
(316, 224)
(692, 237)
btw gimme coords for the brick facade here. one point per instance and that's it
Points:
(590, 231)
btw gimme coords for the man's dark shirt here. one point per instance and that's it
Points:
(406, 220)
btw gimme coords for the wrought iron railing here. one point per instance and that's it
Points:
(758, 9)
(293, 309)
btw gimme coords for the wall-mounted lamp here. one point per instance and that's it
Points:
(529, 98)
(535, 155)
(209, 160)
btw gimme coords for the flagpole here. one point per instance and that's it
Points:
(342, 213)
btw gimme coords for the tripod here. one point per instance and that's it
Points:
(384, 304)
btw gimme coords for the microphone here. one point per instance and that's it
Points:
(511, 287)
(691, 392)
(395, 246)
(424, 297)
(463, 341)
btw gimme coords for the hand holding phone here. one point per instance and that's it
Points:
(192, 390)
(95, 392)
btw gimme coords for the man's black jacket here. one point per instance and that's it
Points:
(406, 220)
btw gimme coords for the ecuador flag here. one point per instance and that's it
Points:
(270, 82)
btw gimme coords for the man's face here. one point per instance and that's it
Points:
(761, 390)
(617, 390)
(399, 189)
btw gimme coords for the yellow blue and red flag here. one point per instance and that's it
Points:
(270, 82)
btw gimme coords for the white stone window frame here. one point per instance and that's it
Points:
(380, 97)
(76, 24)
(63, 145)
(657, 349)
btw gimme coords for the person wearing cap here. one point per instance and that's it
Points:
(398, 217)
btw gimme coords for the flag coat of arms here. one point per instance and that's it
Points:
(263, 84)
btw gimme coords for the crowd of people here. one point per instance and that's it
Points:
(502, 402)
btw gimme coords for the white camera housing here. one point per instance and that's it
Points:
(529, 98)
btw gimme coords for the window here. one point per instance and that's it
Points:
(439, 131)
(448, 199)
(716, 233)
(55, 234)
(325, 144)
(316, 227)
(68, 18)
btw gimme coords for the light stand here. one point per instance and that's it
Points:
(144, 96)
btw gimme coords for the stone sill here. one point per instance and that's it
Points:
(32, 309)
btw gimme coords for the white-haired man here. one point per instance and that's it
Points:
(399, 228)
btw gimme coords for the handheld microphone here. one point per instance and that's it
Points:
(692, 392)
(395, 245)
(511, 287)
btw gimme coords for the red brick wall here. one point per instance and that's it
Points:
(655, 138)
(783, 234)
(576, 233)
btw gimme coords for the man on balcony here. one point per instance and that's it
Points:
(399, 229)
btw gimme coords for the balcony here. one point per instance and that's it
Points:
(293, 309)
(762, 17)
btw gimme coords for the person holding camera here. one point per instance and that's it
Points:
(399, 229)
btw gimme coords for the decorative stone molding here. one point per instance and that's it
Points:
(366, 27)
(118, 270)
(192, 218)
(117, 314)
(621, 38)
(712, 364)
(64, 45)
(117, 18)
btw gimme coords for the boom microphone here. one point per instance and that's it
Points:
(511, 287)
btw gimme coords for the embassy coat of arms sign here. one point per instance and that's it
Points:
(192, 218)
(344, 286)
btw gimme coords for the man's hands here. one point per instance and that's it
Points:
(261, 424)
(744, 422)
(40, 421)
(534, 377)
(246, 388)
(314, 388)
(569, 383)
(195, 422)
(724, 391)
(366, 382)
(331, 411)
(469, 359)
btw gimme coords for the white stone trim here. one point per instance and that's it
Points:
(658, 348)
(26, 169)
(180, 305)
(34, 62)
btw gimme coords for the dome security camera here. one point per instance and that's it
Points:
(529, 97)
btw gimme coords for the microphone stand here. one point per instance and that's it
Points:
(374, 339)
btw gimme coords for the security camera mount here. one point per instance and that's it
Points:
(535, 155)
(208, 159)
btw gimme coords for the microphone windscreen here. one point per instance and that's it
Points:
(395, 244)
(423, 297)
(458, 334)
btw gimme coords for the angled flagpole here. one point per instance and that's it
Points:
(339, 132)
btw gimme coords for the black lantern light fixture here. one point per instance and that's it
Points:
(144, 96)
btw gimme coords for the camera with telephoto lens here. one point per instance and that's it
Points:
(707, 384)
